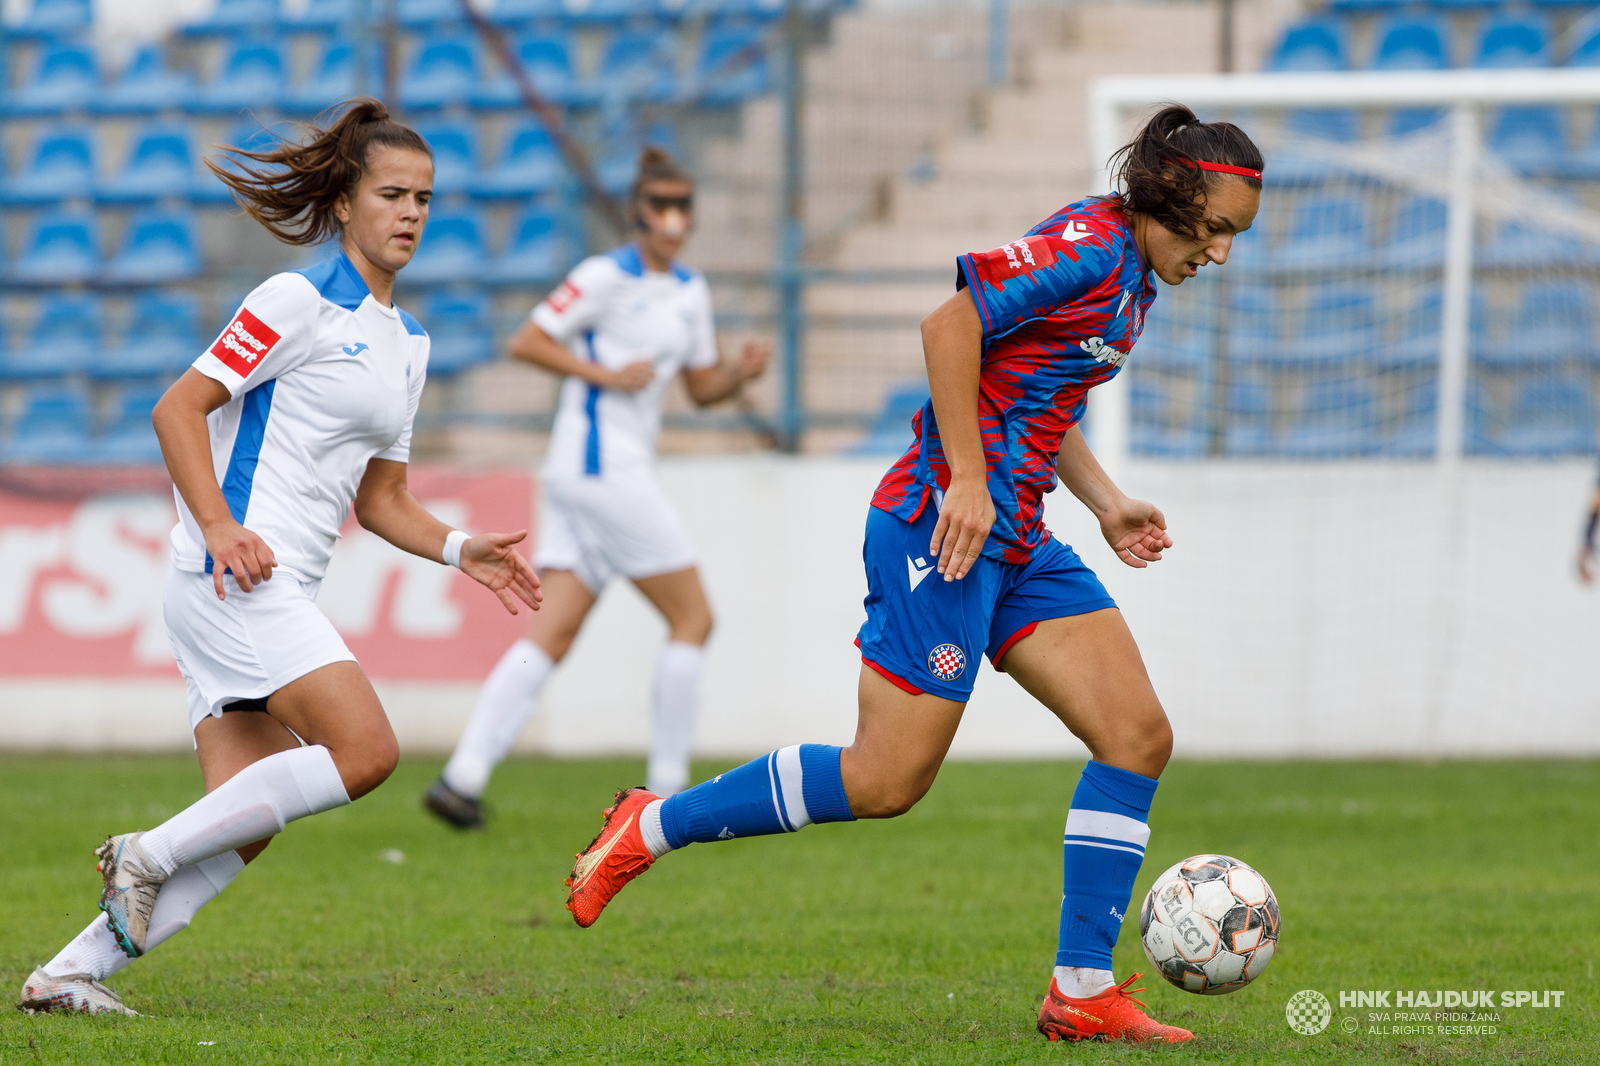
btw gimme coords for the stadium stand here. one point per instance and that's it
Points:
(231, 16)
(548, 60)
(129, 439)
(1509, 42)
(159, 341)
(536, 254)
(66, 78)
(60, 248)
(60, 167)
(1409, 43)
(453, 251)
(442, 74)
(54, 427)
(160, 166)
(145, 86)
(160, 247)
(455, 154)
(66, 337)
(460, 331)
(54, 18)
(251, 71)
(318, 15)
(1311, 45)
(333, 80)
(528, 165)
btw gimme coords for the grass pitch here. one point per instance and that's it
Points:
(926, 939)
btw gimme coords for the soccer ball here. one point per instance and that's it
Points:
(1209, 924)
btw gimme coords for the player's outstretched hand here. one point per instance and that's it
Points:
(234, 548)
(490, 560)
(753, 360)
(965, 519)
(1136, 531)
(633, 377)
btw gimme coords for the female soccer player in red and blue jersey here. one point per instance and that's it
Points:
(959, 563)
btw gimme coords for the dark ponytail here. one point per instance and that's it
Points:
(1157, 174)
(292, 189)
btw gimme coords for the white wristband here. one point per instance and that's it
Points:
(452, 547)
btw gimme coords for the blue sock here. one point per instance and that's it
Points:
(778, 793)
(1102, 851)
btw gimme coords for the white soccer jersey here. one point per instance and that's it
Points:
(613, 311)
(323, 378)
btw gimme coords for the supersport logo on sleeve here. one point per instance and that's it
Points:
(1061, 309)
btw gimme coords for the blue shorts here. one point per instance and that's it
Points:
(923, 632)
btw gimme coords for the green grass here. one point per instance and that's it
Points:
(925, 939)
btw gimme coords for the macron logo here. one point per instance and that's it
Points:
(1075, 231)
(243, 344)
(917, 572)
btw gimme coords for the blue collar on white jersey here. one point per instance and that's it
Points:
(629, 260)
(340, 283)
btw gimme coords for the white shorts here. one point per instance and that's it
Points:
(249, 645)
(600, 526)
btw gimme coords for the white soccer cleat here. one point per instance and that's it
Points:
(132, 884)
(76, 993)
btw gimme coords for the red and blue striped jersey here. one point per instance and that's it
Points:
(1061, 308)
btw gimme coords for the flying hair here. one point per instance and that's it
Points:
(292, 189)
(1165, 170)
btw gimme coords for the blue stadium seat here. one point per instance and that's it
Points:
(67, 336)
(529, 164)
(1584, 164)
(159, 246)
(1159, 428)
(1339, 328)
(1515, 245)
(1417, 341)
(452, 249)
(1310, 45)
(1586, 52)
(161, 339)
(1329, 232)
(1551, 415)
(460, 329)
(319, 15)
(444, 72)
(1253, 325)
(251, 76)
(54, 428)
(1249, 430)
(755, 10)
(517, 12)
(62, 168)
(1169, 344)
(61, 248)
(147, 85)
(160, 165)
(1529, 140)
(1360, 7)
(67, 78)
(231, 16)
(1340, 124)
(249, 135)
(1403, 121)
(54, 18)
(1407, 43)
(130, 438)
(1337, 418)
(732, 66)
(1416, 240)
(1508, 42)
(333, 79)
(536, 253)
(455, 154)
(593, 11)
(638, 65)
(548, 59)
(1554, 323)
(427, 14)
(618, 164)
(890, 432)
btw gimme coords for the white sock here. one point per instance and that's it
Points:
(95, 951)
(655, 839)
(676, 705)
(255, 803)
(1082, 982)
(505, 704)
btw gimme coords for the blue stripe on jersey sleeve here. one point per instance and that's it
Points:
(413, 327)
(241, 473)
(339, 283)
(591, 408)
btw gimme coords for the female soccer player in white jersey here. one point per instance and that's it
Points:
(1010, 357)
(302, 406)
(620, 327)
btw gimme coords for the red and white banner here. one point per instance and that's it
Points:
(81, 581)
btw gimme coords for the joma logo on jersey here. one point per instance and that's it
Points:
(242, 345)
(1103, 352)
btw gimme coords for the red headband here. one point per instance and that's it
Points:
(1220, 168)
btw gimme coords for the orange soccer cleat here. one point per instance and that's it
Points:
(612, 859)
(1112, 1015)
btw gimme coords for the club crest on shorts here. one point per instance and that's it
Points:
(946, 662)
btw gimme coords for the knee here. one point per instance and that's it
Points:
(1144, 746)
(365, 769)
(694, 628)
(886, 799)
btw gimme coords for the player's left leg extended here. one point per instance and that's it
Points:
(675, 693)
(1087, 670)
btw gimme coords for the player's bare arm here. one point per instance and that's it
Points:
(533, 345)
(180, 424)
(952, 346)
(385, 506)
(713, 384)
(1135, 529)
(1586, 552)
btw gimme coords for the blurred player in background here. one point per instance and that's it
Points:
(620, 327)
(302, 407)
(1586, 551)
(959, 563)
